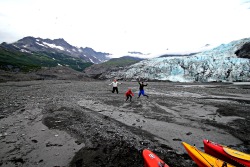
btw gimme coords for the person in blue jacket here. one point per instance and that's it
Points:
(141, 89)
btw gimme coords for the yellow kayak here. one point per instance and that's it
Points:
(202, 159)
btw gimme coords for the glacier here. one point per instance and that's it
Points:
(219, 64)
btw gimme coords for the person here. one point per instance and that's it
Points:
(129, 94)
(115, 84)
(141, 89)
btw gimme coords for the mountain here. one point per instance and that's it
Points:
(98, 71)
(32, 53)
(56, 46)
(225, 63)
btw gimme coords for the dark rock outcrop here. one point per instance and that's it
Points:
(244, 51)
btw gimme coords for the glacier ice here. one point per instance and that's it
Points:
(216, 65)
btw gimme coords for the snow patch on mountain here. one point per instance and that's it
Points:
(91, 60)
(24, 50)
(38, 44)
(53, 46)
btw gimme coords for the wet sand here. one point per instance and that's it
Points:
(77, 123)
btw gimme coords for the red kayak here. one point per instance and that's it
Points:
(227, 154)
(152, 160)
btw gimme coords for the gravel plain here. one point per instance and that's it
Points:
(76, 123)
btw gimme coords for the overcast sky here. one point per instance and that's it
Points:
(119, 26)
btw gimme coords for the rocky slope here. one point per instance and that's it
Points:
(99, 71)
(244, 51)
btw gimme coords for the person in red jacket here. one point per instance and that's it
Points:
(129, 94)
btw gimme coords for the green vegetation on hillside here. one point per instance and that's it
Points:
(65, 60)
(122, 61)
(11, 60)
